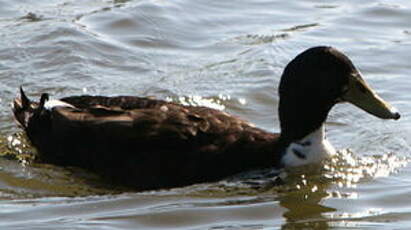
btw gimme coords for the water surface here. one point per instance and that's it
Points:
(227, 55)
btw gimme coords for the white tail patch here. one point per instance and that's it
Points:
(50, 104)
(312, 148)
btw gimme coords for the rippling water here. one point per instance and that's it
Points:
(227, 55)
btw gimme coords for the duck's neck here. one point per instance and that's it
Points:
(302, 131)
(298, 119)
(312, 148)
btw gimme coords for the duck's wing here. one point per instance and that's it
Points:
(167, 122)
(155, 124)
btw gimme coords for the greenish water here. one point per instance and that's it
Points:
(227, 55)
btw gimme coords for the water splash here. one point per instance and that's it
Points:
(17, 147)
(344, 170)
(348, 169)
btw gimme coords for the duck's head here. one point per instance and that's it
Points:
(316, 80)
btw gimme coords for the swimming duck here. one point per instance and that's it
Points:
(148, 144)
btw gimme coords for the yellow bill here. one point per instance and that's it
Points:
(361, 95)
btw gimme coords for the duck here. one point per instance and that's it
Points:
(146, 143)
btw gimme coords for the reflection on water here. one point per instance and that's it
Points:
(343, 172)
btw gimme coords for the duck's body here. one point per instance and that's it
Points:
(147, 143)
(150, 143)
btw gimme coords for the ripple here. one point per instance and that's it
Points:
(223, 54)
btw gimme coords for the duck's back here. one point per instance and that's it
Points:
(149, 143)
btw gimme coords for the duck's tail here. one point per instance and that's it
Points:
(25, 110)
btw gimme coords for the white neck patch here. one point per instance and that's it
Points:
(312, 148)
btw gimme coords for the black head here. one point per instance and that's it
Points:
(313, 82)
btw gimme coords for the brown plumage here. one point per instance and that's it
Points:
(148, 144)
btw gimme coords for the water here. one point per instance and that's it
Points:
(227, 55)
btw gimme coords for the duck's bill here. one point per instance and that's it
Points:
(362, 96)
